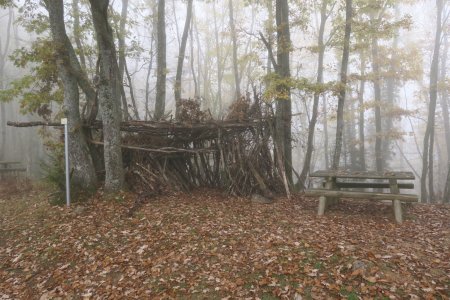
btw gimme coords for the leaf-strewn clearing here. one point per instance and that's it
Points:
(205, 245)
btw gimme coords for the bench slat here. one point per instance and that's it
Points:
(364, 174)
(363, 195)
(12, 170)
(375, 185)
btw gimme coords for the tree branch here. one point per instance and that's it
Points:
(269, 48)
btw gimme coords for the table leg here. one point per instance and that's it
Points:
(322, 205)
(323, 201)
(332, 186)
(397, 205)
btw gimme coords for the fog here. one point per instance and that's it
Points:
(410, 50)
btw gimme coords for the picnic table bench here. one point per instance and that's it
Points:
(9, 167)
(332, 188)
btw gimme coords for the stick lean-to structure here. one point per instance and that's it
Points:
(236, 155)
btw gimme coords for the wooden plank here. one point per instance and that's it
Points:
(374, 185)
(10, 170)
(9, 162)
(364, 174)
(362, 195)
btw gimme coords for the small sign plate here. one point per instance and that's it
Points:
(64, 121)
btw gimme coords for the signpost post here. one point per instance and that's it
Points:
(66, 155)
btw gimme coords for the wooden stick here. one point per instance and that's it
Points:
(165, 150)
(33, 124)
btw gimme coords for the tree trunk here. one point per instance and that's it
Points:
(446, 196)
(315, 110)
(444, 96)
(2, 131)
(161, 71)
(206, 75)
(325, 133)
(181, 56)
(77, 32)
(194, 77)
(235, 59)
(445, 116)
(427, 159)
(150, 65)
(270, 31)
(350, 134)
(391, 88)
(130, 87)
(377, 94)
(283, 103)
(219, 62)
(109, 93)
(83, 172)
(122, 60)
(361, 125)
(199, 59)
(342, 92)
(3, 56)
(175, 18)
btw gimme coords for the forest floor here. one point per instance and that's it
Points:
(205, 245)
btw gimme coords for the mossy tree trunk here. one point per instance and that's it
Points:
(161, 71)
(108, 96)
(82, 167)
(283, 103)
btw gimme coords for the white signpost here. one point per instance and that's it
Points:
(66, 154)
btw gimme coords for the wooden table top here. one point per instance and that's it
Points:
(364, 174)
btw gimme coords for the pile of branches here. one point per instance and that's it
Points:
(235, 154)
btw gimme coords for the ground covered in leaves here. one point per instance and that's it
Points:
(207, 246)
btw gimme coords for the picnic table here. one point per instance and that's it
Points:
(334, 181)
(10, 167)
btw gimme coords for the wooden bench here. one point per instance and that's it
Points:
(331, 188)
(6, 168)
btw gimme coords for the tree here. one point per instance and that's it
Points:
(153, 11)
(361, 121)
(161, 62)
(377, 94)
(343, 84)
(234, 42)
(77, 32)
(445, 115)
(3, 55)
(282, 83)
(283, 102)
(428, 140)
(83, 172)
(181, 55)
(122, 60)
(312, 124)
(108, 96)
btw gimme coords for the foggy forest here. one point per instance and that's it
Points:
(224, 149)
